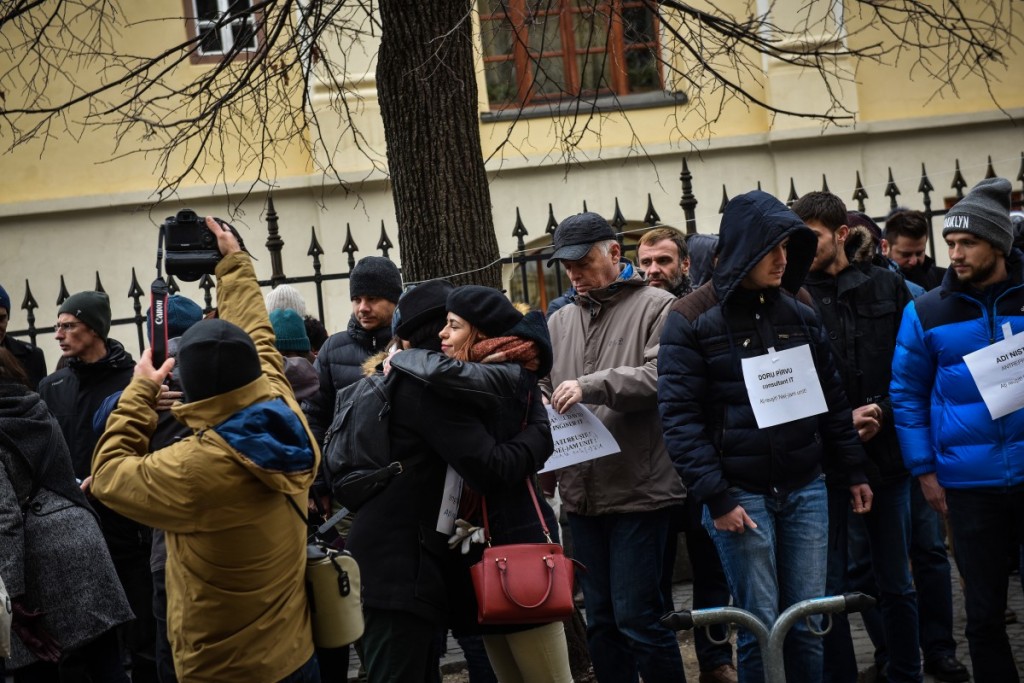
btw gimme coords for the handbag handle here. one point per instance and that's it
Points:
(536, 506)
(503, 570)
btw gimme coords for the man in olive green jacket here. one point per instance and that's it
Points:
(236, 548)
(606, 350)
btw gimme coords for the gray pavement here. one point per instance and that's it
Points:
(454, 662)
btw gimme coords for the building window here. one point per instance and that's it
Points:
(540, 51)
(223, 26)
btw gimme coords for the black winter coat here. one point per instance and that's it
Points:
(73, 395)
(405, 562)
(30, 357)
(710, 429)
(339, 364)
(862, 308)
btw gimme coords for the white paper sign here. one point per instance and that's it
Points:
(998, 371)
(579, 436)
(449, 502)
(783, 386)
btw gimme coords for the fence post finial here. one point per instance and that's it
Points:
(275, 245)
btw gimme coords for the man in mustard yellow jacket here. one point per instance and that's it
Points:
(236, 548)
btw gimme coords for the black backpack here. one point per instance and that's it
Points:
(357, 446)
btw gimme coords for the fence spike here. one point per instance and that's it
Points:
(1020, 173)
(29, 304)
(384, 243)
(275, 245)
(925, 188)
(958, 181)
(172, 285)
(585, 209)
(553, 222)
(63, 294)
(824, 184)
(315, 250)
(136, 294)
(135, 290)
(725, 200)
(206, 284)
(892, 191)
(618, 220)
(99, 285)
(990, 172)
(688, 202)
(651, 217)
(519, 232)
(793, 196)
(759, 185)
(859, 194)
(350, 247)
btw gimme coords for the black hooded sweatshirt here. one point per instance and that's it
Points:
(710, 429)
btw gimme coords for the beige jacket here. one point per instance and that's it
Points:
(236, 550)
(608, 341)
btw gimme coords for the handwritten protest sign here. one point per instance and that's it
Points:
(783, 386)
(998, 371)
(579, 436)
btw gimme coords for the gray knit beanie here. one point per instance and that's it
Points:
(985, 213)
(286, 296)
(93, 309)
(375, 276)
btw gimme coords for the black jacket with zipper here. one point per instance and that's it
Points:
(861, 308)
(710, 429)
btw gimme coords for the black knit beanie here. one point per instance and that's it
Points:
(984, 213)
(375, 276)
(93, 309)
(423, 303)
(486, 309)
(215, 357)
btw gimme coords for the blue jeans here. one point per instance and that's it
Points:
(623, 555)
(930, 564)
(776, 565)
(986, 523)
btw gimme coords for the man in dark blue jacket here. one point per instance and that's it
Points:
(969, 464)
(861, 306)
(759, 475)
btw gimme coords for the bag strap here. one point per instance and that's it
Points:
(536, 506)
(317, 534)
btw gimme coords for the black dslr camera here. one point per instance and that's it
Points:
(191, 248)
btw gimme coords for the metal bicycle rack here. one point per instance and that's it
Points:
(770, 640)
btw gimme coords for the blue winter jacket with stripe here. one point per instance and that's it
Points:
(941, 420)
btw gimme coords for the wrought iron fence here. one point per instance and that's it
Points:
(532, 282)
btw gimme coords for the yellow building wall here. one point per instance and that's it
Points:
(71, 159)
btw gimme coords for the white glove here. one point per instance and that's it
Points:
(465, 534)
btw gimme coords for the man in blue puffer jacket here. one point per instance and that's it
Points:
(968, 464)
(762, 487)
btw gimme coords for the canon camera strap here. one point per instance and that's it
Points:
(158, 308)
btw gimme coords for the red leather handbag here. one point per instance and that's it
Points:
(523, 583)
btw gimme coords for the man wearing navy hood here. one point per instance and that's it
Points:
(969, 464)
(759, 476)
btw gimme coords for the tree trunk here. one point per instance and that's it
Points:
(427, 90)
